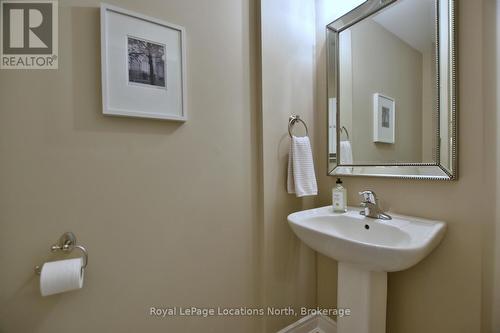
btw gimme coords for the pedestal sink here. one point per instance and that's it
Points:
(366, 250)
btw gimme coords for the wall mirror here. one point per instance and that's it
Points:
(392, 108)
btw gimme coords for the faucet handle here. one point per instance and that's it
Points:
(368, 197)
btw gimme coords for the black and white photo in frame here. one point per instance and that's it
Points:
(143, 66)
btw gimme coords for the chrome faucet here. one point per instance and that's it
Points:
(371, 207)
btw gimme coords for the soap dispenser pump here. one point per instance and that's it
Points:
(339, 197)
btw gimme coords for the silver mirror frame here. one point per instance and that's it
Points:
(429, 171)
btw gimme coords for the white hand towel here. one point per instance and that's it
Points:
(345, 157)
(345, 152)
(301, 175)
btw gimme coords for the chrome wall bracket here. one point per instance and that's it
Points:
(66, 244)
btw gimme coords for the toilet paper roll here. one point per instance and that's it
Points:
(61, 276)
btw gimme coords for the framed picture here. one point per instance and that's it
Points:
(384, 119)
(143, 63)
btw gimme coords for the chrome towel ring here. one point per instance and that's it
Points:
(292, 121)
(343, 129)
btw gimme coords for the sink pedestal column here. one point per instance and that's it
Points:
(365, 293)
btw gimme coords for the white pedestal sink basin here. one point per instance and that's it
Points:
(366, 250)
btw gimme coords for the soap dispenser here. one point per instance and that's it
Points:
(339, 198)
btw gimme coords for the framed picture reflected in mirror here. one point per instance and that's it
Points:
(384, 119)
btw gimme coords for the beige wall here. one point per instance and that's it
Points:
(379, 60)
(173, 214)
(445, 292)
(492, 67)
(491, 232)
(288, 37)
(168, 211)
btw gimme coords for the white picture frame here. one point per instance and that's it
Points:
(384, 119)
(143, 64)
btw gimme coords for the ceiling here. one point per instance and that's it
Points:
(412, 21)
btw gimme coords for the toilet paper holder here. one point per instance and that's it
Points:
(66, 244)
